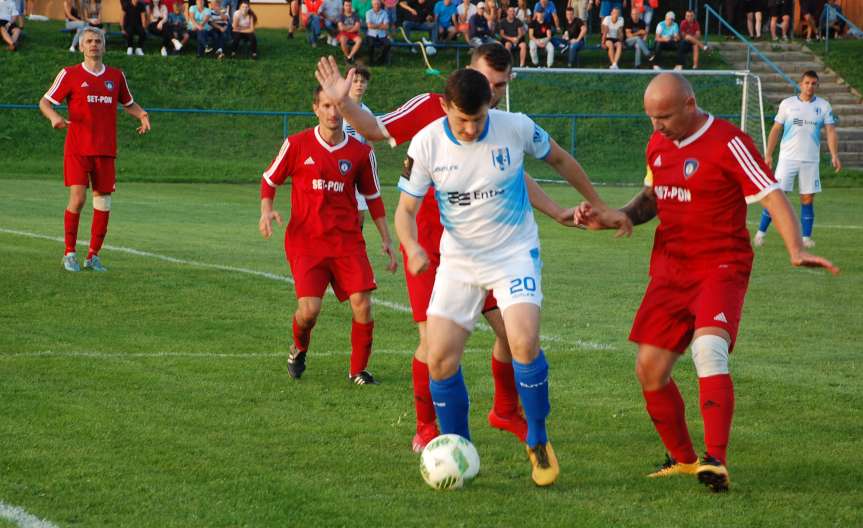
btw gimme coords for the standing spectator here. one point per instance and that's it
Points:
(780, 9)
(330, 14)
(445, 19)
(512, 35)
(158, 15)
(74, 21)
(219, 24)
(361, 7)
(464, 12)
(550, 12)
(581, 8)
(690, 39)
(540, 37)
(199, 19)
(754, 18)
(574, 34)
(667, 38)
(244, 24)
(605, 7)
(9, 30)
(731, 11)
(313, 20)
(178, 27)
(636, 35)
(378, 23)
(523, 13)
(612, 37)
(480, 33)
(831, 22)
(293, 17)
(134, 22)
(418, 15)
(349, 32)
(809, 12)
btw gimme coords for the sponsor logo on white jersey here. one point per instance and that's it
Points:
(309, 161)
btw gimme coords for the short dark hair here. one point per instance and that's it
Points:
(495, 55)
(316, 94)
(468, 90)
(361, 71)
(811, 74)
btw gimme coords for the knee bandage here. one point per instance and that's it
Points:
(710, 355)
(102, 202)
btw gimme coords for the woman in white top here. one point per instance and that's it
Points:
(612, 36)
(523, 13)
(157, 12)
(244, 29)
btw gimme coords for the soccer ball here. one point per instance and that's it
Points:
(448, 461)
(431, 51)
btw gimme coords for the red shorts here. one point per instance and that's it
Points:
(350, 35)
(347, 275)
(82, 170)
(673, 307)
(420, 287)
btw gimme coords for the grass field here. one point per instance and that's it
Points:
(157, 395)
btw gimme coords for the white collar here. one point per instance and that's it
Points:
(94, 74)
(330, 148)
(698, 133)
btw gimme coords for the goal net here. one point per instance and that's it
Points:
(598, 115)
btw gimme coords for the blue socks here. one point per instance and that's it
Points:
(807, 218)
(531, 380)
(765, 221)
(451, 404)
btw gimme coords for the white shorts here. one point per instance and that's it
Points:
(806, 171)
(361, 202)
(461, 286)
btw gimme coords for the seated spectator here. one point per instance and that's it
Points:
(612, 36)
(667, 38)
(313, 20)
(330, 14)
(92, 11)
(523, 13)
(378, 23)
(417, 15)
(493, 13)
(636, 35)
(550, 12)
(391, 7)
(479, 32)
(293, 17)
(158, 16)
(512, 35)
(690, 39)
(349, 32)
(177, 27)
(10, 24)
(574, 33)
(539, 34)
(831, 22)
(244, 29)
(74, 21)
(199, 20)
(219, 24)
(361, 7)
(134, 22)
(464, 12)
(445, 19)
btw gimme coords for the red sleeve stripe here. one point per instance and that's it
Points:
(374, 163)
(128, 90)
(405, 108)
(748, 163)
(50, 93)
(276, 162)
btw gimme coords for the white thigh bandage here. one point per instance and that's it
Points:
(102, 202)
(710, 355)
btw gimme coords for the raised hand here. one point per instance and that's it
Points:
(334, 85)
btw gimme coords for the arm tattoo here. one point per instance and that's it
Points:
(642, 208)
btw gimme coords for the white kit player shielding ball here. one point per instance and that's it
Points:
(474, 159)
(800, 119)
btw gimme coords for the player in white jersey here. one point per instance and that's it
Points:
(474, 159)
(358, 89)
(800, 119)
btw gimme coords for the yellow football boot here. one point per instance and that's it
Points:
(543, 461)
(713, 474)
(673, 467)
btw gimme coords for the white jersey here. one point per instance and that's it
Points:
(479, 186)
(362, 205)
(803, 121)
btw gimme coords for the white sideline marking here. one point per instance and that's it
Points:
(398, 307)
(205, 355)
(821, 226)
(23, 519)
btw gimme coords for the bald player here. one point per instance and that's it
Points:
(701, 174)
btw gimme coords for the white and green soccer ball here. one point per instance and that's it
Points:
(448, 462)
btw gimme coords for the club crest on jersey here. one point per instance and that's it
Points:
(689, 168)
(344, 166)
(109, 85)
(500, 158)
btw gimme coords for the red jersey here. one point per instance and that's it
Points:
(400, 126)
(92, 100)
(324, 220)
(702, 186)
(689, 28)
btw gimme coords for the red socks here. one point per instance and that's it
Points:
(361, 345)
(70, 228)
(422, 394)
(505, 393)
(717, 409)
(98, 231)
(666, 409)
(301, 336)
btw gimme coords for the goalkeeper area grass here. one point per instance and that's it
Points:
(157, 394)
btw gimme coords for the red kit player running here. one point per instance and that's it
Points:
(324, 241)
(91, 90)
(400, 126)
(701, 174)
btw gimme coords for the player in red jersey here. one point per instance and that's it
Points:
(400, 126)
(91, 90)
(701, 174)
(324, 241)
